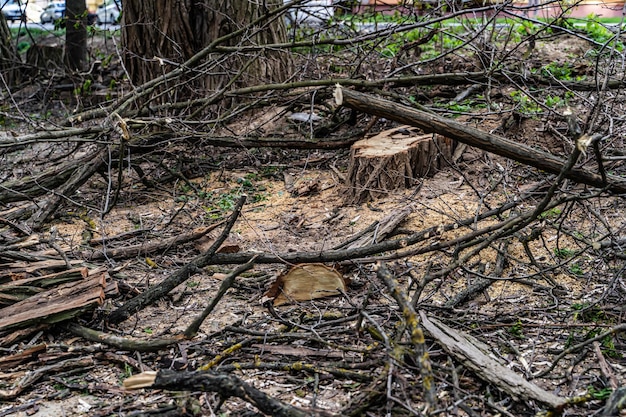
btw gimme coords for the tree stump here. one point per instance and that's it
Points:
(394, 160)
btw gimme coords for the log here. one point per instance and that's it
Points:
(474, 137)
(393, 160)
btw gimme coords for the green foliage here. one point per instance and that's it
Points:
(602, 394)
(559, 71)
(128, 371)
(517, 330)
(23, 46)
(599, 33)
(609, 349)
(553, 213)
(524, 103)
(84, 89)
(576, 269)
(563, 253)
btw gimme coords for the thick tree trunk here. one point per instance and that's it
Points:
(166, 33)
(9, 58)
(75, 35)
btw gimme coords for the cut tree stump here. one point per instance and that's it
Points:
(394, 160)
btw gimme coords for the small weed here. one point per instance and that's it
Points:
(550, 214)
(516, 330)
(84, 89)
(148, 330)
(587, 313)
(226, 202)
(554, 102)
(563, 253)
(560, 72)
(525, 104)
(609, 349)
(601, 394)
(128, 371)
(576, 269)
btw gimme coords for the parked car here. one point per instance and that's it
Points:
(311, 12)
(53, 12)
(13, 10)
(109, 12)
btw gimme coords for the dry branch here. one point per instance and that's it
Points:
(415, 332)
(20, 289)
(123, 343)
(148, 248)
(475, 356)
(379, 230)
(29, 187)
(474, 137)
(30, 378)
(227, 282)
(225, 385)
(11, 361)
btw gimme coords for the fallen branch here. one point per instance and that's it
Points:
(32, 377)
(147, 248)
(227, 282)
(57, 304)
(224, 385)
(123, 343)
(499, 145)
(416, 334)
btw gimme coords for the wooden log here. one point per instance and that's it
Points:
(501, 146)
(393, 160)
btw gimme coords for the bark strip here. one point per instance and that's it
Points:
(475, 355)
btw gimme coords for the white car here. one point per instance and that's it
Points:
(13, 10)
(53, 12)
(109, 12)
(311, 12)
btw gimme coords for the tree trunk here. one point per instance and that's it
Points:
(166, 33)
(9, 58)
(75, 35)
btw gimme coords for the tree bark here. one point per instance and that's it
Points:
(75, 35)
(8, 54)
(166, 33)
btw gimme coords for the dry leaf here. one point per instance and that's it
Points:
(306, 282)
